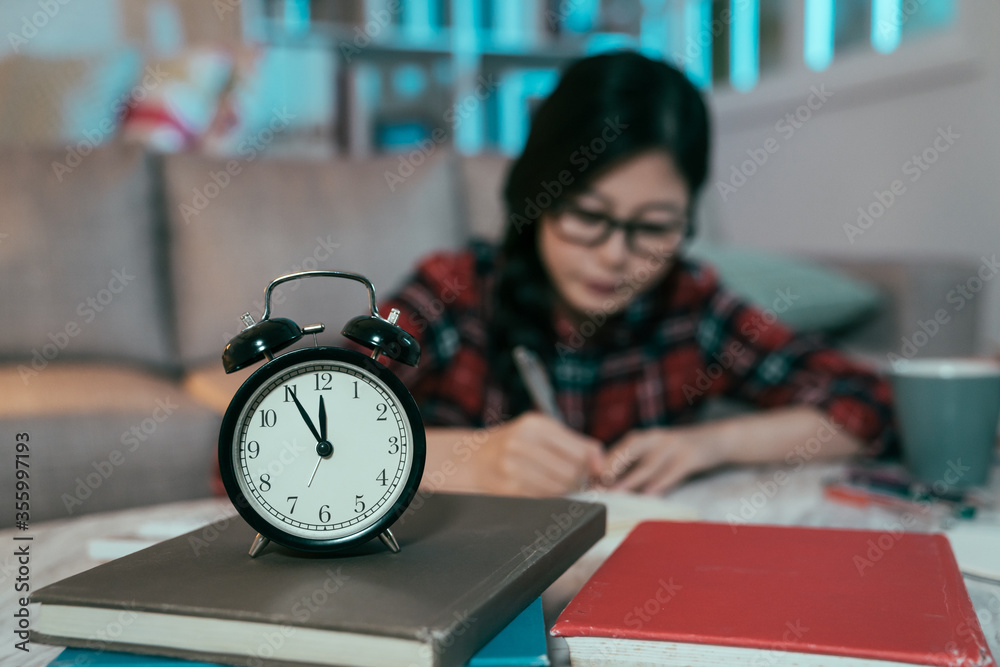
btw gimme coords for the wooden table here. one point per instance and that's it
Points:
(774, 495)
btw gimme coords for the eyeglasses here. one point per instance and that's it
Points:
(592, 228)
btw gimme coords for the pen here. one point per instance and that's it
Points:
(853, 495)
(536, 380)
(890, 483)
(532, 372)
(859, 496)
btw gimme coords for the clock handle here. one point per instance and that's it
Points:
(269, 335)
(372, 306)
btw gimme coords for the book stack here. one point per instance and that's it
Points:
(521, 644)
(468, 566)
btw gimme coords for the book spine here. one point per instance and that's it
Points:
(554, 550)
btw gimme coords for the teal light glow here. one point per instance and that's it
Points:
(697, 53)
(469, 124)
(297, 17)
(409, 80)
(744, 44)
(602, 42)
(654, 29)
(514, 96)
(927, 15)
(819, 34)
(508, 22)
(420, 20)
(581, 15)
(887, 26)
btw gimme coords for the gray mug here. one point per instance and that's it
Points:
(947, 410)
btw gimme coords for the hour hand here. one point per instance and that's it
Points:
(322, 418)
(305, 416)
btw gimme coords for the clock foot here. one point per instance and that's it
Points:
(258, 545)
(389, 540)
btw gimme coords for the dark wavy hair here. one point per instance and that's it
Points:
(605, 110)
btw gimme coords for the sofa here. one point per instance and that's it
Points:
(125, 273)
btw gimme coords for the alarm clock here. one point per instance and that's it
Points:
(322, 448)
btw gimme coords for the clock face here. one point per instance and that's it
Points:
(324, 449)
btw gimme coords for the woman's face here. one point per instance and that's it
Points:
(596, 265)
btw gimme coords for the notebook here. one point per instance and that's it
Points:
(699, 593)
(520, 644)
(468, 565)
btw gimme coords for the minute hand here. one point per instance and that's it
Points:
(305, 416)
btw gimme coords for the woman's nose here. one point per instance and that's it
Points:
(614, 251)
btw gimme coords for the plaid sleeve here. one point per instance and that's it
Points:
(757, 358)
(433, 305)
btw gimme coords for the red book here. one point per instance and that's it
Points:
(697, 593)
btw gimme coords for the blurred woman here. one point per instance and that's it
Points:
(635, 338)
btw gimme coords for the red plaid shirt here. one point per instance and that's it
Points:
(705, 343)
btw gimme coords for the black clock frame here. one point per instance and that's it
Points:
(266, 373)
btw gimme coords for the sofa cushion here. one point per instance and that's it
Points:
(804, 295)
(235, 230)
(80, 259)
(105, 437)
(211, 386)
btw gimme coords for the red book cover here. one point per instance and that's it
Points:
(856, 593)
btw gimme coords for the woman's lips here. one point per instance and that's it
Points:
(600, 288)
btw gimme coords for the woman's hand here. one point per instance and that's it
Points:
(536, 455)
(653, 460)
